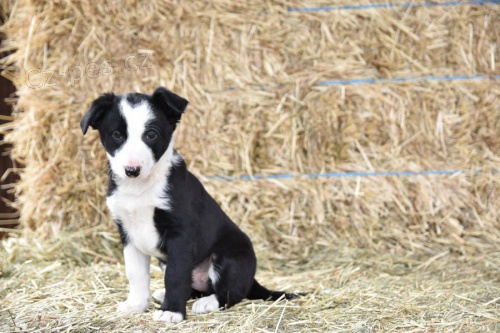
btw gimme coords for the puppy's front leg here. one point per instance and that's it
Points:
(177, 283)
(137, 269)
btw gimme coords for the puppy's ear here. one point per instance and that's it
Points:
(173, 105)
(96, 111)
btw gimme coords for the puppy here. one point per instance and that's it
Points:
(161, 210)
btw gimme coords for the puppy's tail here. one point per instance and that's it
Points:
(259, 292)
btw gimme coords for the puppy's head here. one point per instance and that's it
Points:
(135, 129)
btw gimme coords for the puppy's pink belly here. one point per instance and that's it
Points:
(200, 279)
(200, 276)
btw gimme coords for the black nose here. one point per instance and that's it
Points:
(132, 172)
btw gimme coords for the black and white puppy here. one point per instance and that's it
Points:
(162, 210)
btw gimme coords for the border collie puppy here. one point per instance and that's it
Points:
(162, 211)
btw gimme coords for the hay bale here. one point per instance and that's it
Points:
(249, 72)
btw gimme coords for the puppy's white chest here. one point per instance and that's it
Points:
(136, 215)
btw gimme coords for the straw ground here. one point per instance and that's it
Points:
(407, 253)
(62, 286)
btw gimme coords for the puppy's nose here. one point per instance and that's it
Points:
(132, 171)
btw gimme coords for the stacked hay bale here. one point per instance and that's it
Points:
(251, 74)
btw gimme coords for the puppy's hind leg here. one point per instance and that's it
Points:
(159, 295)
(206, 304)
(231, 276)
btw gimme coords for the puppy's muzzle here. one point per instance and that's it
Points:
(132, 171)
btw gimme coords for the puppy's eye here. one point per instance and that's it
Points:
(151, 136)
(117, 135)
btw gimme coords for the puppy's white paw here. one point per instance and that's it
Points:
(206, 304)
(132, 307)
(167, 316)
(159, 295)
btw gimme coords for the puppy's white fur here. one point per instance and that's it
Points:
(134, 151)
(159, 295)
(137, 269)
(134, 201)
(213, 274)
(206, 304)
(167, 316)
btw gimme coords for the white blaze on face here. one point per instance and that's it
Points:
(134, 151)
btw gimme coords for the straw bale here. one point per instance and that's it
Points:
(249, 72)
(408, 251)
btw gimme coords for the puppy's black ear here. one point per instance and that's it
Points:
(173, 105)
(97, 109)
